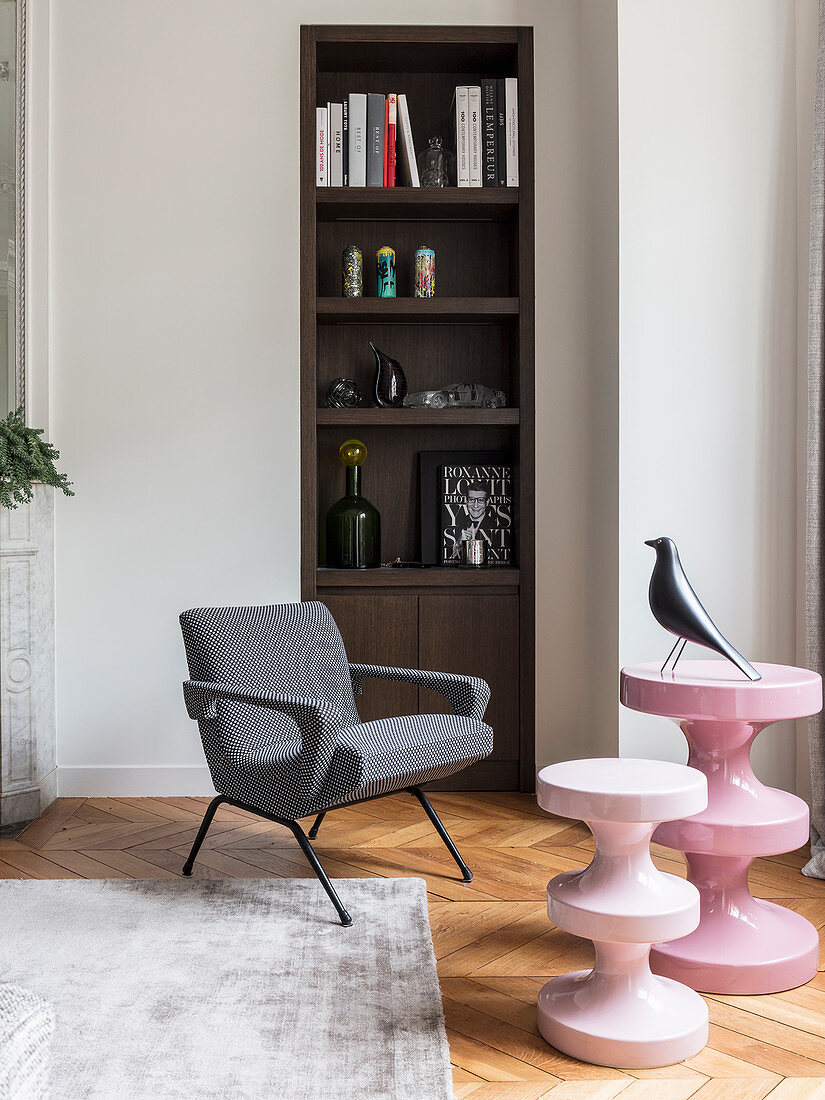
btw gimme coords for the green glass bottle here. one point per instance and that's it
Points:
(353, 524)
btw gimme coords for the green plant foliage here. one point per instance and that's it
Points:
(24, 459)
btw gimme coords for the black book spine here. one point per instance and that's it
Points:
(489, 162)
(501, 137)
(345, 140)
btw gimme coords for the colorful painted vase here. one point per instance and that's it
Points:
(424, 272)
(385, 272)
(352, 272)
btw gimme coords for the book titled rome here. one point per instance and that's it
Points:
(476, 502)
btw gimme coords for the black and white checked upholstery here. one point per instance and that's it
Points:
(274, 696)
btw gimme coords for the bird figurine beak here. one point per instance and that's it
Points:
(650, 542)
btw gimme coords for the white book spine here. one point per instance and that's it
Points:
(405, 142)
(461, 155)
(321, 148)
(358, 139)
(336, 140)
(474, 143)
(329, 144)
(511, 129)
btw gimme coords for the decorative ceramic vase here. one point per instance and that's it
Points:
(385, 272)
(390, 386)
(352, 272)
(353, 525)
(424, 272)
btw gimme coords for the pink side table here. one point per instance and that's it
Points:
(620, 1013)
(742, 944)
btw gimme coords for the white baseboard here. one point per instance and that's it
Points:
(123, 780)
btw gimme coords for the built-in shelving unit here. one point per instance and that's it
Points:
(449, 203)
(417, 418)
(479, 327)
(433, 311)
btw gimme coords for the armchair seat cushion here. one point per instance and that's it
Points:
(392, 753)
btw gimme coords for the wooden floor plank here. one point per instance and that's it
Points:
(55, 817)
(494, 944)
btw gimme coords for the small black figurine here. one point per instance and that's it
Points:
(343, 393)
(676, 607)
(390, 386)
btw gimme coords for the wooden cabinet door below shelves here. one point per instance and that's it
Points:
(380, 630)
(477, 635)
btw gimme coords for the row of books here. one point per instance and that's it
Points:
(485, 129)
(367, 140)
(363, 141)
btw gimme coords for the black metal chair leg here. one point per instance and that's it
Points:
(442, 832)
(307, 849)
(313, 832)
(204, 829)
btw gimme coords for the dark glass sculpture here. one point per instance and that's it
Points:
(343, 393)
(353, 525)
(390, 387)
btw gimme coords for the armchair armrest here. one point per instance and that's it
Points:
(201, 698)
(468, 695)
(318, 723)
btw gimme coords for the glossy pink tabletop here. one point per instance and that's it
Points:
(717, 691)
(621, 789)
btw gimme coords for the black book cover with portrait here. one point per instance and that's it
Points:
(466, 494)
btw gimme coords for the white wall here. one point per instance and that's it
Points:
(173, 255)
(708, 330)
(577, 386)
(174, 259)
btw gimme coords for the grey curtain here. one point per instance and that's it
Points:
(815, 534)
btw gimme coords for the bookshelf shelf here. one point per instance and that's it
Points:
(412, 418)
(388, 577)
(416, 203)
(479, 328)
(431, 310)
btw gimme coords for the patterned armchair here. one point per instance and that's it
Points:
(274, 697)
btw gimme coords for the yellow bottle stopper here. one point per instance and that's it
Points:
(352, 452)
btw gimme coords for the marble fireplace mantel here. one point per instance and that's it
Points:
(28, 778)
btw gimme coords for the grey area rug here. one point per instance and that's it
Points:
(231, 988)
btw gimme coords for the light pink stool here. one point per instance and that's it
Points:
(619, 1013)
(742, 945)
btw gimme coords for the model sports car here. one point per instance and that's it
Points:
(458, 395)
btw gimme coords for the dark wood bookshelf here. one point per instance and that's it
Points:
(435, 577)
(416, 418)
(416, 310)
(431, 204)
(479, 327)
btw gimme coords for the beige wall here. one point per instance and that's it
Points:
(172, 329)
(174, 259)
(709, 329)
(807, 19)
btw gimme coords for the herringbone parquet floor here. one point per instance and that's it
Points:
(493, 940)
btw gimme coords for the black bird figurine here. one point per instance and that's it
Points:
(676, 607)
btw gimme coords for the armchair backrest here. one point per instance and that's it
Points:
(294, 648)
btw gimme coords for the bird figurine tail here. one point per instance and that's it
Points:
(677, 608)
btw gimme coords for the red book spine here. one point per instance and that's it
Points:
(392, 118)
(386, 125)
